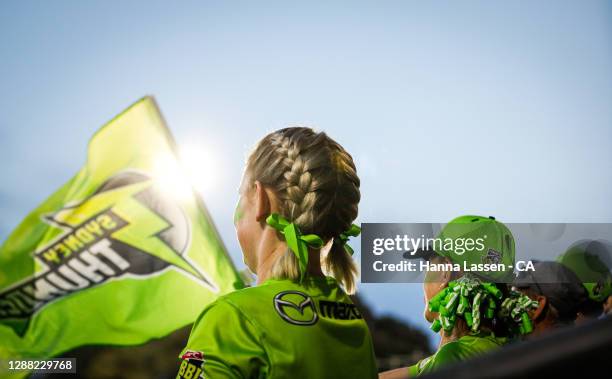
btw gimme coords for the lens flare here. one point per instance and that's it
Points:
(193, 170)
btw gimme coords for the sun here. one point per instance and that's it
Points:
(192, 169)
(200, 167)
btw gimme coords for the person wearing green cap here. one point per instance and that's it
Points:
(463, 306)
(298, 199)
(557, 295)
(590, 260)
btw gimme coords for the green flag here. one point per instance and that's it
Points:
(122, 253)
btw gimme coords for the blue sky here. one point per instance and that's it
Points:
(493, 108)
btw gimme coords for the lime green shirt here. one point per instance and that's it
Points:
(464, 348)
(280, 329)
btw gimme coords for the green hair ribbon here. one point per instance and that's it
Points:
(470, 298)
(467, 298)
(516, 309)
(353, 231)
(299, 243)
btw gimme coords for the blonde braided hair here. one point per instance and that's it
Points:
(317, 186)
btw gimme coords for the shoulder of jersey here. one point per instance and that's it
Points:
(251, 295)
(450, 352)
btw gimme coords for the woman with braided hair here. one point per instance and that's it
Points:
(298, 199)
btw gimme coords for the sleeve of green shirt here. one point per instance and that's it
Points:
(229, 343)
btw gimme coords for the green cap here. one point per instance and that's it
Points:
(590, 261)
(474, 240)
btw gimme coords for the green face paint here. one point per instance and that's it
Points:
(238, 213)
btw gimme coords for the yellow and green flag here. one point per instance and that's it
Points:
(122, 253)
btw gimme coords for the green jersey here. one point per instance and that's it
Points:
(464, 348)
(280, 329)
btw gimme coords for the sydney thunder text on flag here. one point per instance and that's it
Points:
(114, 256)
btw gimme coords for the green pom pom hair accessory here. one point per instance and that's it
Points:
(515, 309)
(471, 299)
(299, 243)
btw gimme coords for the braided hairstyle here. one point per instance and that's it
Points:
(317, 186)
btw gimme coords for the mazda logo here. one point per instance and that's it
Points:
(296, 308)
